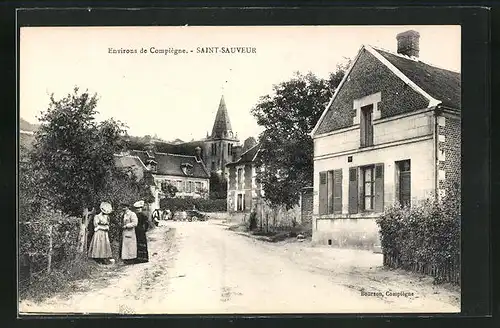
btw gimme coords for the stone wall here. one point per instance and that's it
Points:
(348, 233)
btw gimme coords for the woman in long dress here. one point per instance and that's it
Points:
(140, 232)
(100, 247)
(129, 240)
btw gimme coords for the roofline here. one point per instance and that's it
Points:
(246, 151)
(392, 68)
(137, 157)
(417, 59)
(432, 101)
(346, 75)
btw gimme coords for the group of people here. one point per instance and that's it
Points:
(134, 246)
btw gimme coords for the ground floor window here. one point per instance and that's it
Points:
(240, 203)
(367, 190)
(404, 182)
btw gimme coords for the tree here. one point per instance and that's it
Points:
(218, 186)
(288, 116)
(73, 156)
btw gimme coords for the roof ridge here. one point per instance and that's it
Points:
(178, 155)
(416, 59)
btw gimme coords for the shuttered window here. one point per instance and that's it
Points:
(337, 191)
(323, 193)
(367, 188)
(353, 190)
(366, 126)
(370, 186)
(330, 192)
(404, 182)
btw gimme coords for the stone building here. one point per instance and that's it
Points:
(391, 133)
(187, 173)
(219, 146)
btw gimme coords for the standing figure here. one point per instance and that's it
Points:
(129, 240)
(100, 247)
(140, 232)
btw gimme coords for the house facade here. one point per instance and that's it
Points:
(390, 134)
(243, 188)
(187, 173)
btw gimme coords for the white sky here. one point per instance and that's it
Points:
(177, 96)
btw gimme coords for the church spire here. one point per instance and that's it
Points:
(222, 125)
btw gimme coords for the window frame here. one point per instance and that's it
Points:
(366, 125)
(364, 183)
(399, 166)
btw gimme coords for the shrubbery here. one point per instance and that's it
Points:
(201, 204)
(424, 238)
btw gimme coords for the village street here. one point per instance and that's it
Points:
(201, 267)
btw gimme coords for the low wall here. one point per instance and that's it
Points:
(237, 217)
(347, 233)
(217, 215)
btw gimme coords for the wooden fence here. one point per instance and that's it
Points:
(449, 272)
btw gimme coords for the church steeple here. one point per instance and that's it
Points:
(222, 125)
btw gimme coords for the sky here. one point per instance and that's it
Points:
(177, 96)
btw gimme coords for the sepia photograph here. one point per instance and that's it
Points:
(239, 169)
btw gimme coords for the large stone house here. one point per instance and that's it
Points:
(187, 173)
(391, 133)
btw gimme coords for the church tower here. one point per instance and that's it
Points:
(219, 145)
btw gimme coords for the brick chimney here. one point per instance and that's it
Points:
(408, 43)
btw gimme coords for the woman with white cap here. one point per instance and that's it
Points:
(140, 233)
(100, 247)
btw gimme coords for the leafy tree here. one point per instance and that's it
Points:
(218, 186)
(73, 156)
(169, 190)
(288, 116)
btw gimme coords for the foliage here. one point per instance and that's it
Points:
(201, 204)
(218, 186)
(70, 167)
(427, 235)
(169, 190)
(74, 155)
(288, 116)
(248, 143)
(252, 221)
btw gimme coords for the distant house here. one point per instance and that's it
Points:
(187, 173)
(391, 133)
(243, 189)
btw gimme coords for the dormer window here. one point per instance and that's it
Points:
(187, 168)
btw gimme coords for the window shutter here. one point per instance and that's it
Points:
(378, 206)
(362, 130)
(337, 191)
(353, 190)
(323, 193)
(329, 186)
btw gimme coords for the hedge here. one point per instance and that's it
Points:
(424, 238)
(201, 204)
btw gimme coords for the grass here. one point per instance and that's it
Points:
(61, 279)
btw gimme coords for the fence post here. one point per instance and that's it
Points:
(49, 262)
(82, 247)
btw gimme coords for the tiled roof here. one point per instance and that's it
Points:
(248, 156)
(441, 84)
(173, 164)
(133, 162)
(222, 125)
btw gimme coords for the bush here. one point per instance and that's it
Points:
(201, 204)
(424, 238)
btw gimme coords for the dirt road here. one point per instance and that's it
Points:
(201, 267)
